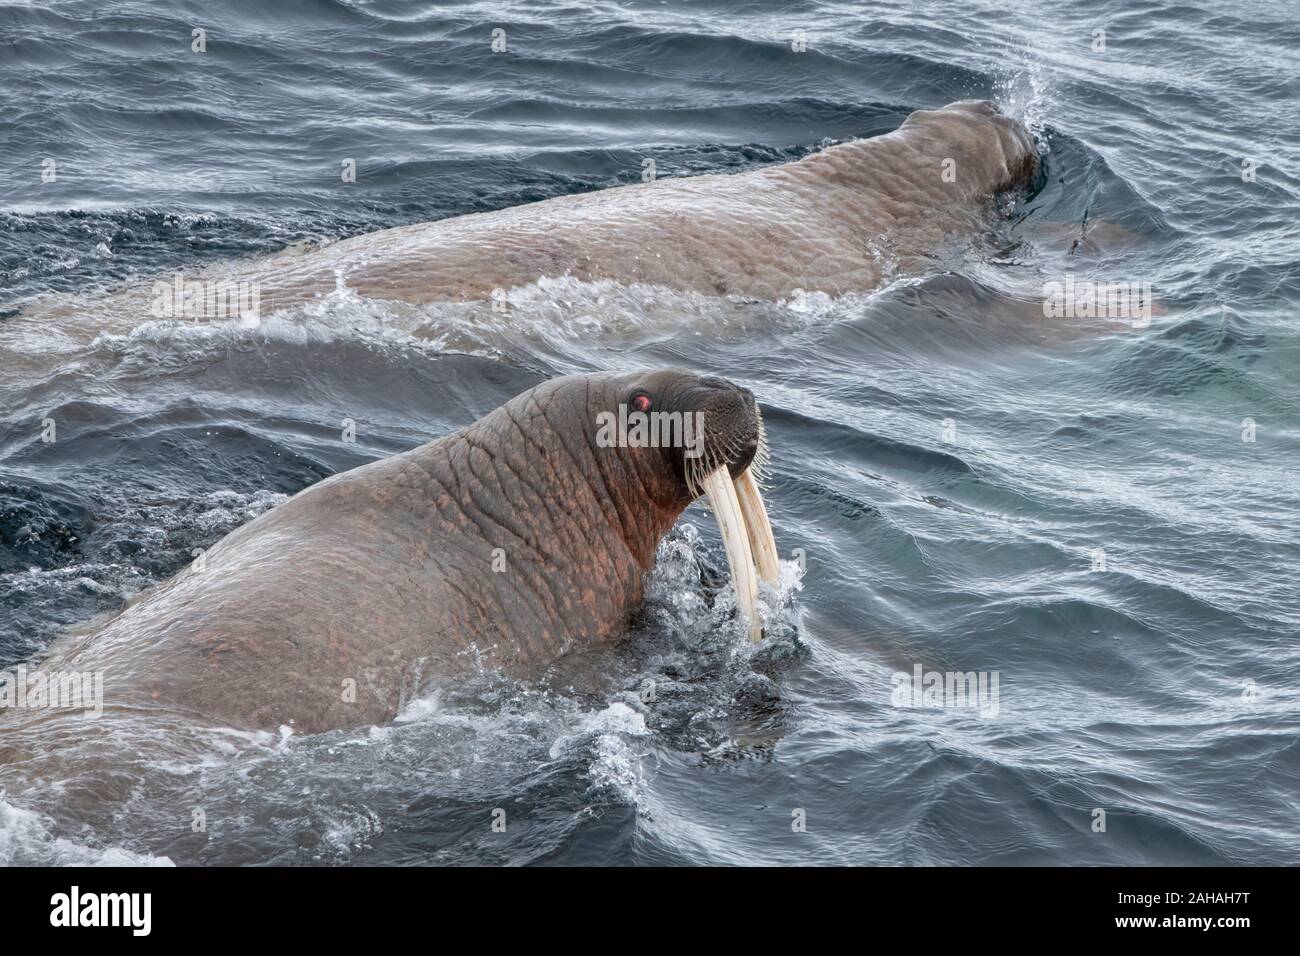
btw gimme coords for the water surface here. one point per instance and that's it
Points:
(946, 460)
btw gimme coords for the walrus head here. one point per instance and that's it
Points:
(646, 445)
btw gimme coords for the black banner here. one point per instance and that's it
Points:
(287, 907)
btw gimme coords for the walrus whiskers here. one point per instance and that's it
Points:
(758, 467)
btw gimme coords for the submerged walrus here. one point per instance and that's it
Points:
(836, 221)
(503, 544)
(829, 222)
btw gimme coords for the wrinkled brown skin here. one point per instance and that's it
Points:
(384, 574)
(830, 222)
(811, 224)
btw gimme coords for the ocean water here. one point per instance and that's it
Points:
(1102, 514)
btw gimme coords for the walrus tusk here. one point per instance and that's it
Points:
(761, 542)
(731, 522)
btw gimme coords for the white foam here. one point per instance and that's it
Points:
(26, 840)
(678, 603)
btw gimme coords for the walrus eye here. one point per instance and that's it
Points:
(641, 403)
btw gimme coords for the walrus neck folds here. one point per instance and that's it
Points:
(571, 526)
(611, 493)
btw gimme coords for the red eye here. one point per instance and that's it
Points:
(641, 403)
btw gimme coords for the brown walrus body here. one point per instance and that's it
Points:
(384, 575)
(827, 223)
(836, 221)
(503, 544)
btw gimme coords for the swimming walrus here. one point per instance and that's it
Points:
(837, 221)
(501, 545)
(828, 222)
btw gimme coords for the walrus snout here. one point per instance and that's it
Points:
(745, 457)
(731, 424)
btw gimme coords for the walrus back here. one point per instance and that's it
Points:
(836, 221)
(823, 223)
(264, 601)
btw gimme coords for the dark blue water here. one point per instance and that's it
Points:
(1161, 689)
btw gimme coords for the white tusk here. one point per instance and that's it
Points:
(761, 542)
(731, 522)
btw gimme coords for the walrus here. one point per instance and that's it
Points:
(837, 221)
(828, 222)
(502, 545)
